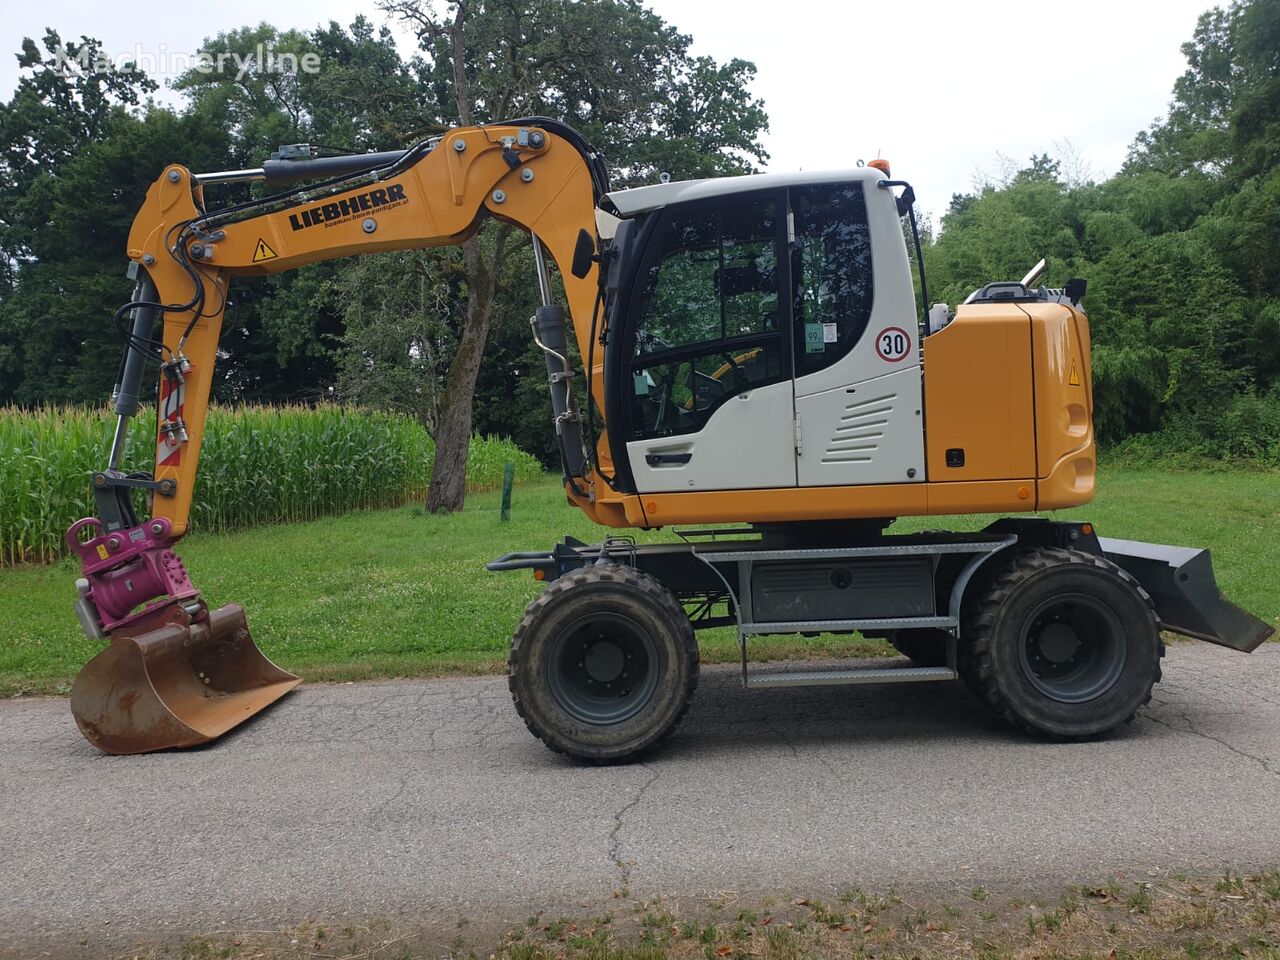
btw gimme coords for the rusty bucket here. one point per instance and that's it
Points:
(175, 679)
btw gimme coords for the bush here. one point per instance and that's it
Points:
(1247, 430)
(259, 465)
(1251, 427)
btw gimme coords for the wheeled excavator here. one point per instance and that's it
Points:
(756, 374)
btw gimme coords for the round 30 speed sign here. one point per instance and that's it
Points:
(893, 344)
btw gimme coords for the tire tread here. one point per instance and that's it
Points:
(662, 599)
(977, 666)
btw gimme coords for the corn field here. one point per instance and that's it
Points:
(259, 465)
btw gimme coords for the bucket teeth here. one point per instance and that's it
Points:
(175, 680)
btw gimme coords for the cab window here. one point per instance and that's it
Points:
(709, 323)
(831, 273)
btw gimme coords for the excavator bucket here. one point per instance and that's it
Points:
(176, 679)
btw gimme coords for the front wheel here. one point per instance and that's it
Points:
(603, 664)
(1063, 643)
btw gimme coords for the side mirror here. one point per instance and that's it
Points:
(1075, 289)
(906, 201)
(584, 254)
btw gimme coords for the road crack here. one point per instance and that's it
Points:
(1191, 728)
(615, 835)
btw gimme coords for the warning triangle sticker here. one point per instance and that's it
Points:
(1073, 380)
(263, 252)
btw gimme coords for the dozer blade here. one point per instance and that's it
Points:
(175, 681)
(1186, 595)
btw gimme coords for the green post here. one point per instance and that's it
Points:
(508, 478)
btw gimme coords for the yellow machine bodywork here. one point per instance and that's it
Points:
(444, 199)
(1009, 383)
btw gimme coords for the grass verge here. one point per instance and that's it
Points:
(393, 593)
(1171, 918)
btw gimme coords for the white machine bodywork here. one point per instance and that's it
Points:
(858, 421)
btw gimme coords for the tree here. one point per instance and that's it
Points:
(69, 99)
(1181, 250)
(609, 67)
(284, 333)
(1225, 114)
(65, 347)
(77, 151)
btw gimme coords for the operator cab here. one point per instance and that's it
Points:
(770, 316)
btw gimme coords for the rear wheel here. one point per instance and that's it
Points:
(603, 664)
(1063, 644)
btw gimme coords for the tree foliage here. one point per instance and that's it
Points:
(79, 148)
(1181, 250)
(625, 79)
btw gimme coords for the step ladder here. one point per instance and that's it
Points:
(977, 549)
(831, 678)
(768, 679)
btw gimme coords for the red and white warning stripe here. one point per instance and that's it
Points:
(173, 395)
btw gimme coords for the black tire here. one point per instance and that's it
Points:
(603, 664)
(1062, 644)
(924, 648)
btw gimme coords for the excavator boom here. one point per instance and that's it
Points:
(436, 194)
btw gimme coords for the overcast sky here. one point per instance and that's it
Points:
(938, 88)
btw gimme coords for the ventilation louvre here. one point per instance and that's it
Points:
(860, 430)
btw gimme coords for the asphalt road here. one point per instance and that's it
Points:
(402, 798)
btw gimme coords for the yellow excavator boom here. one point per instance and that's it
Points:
(439, 197)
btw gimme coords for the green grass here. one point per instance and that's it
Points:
(259, 465)
(400, 593)
(1177, 920)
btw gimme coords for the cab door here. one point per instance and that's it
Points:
(710, 403)
(857, 360)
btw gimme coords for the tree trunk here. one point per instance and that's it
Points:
(453, 431)
(453, 427)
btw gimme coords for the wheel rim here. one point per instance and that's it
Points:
(1072, 648)
(603, 668)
